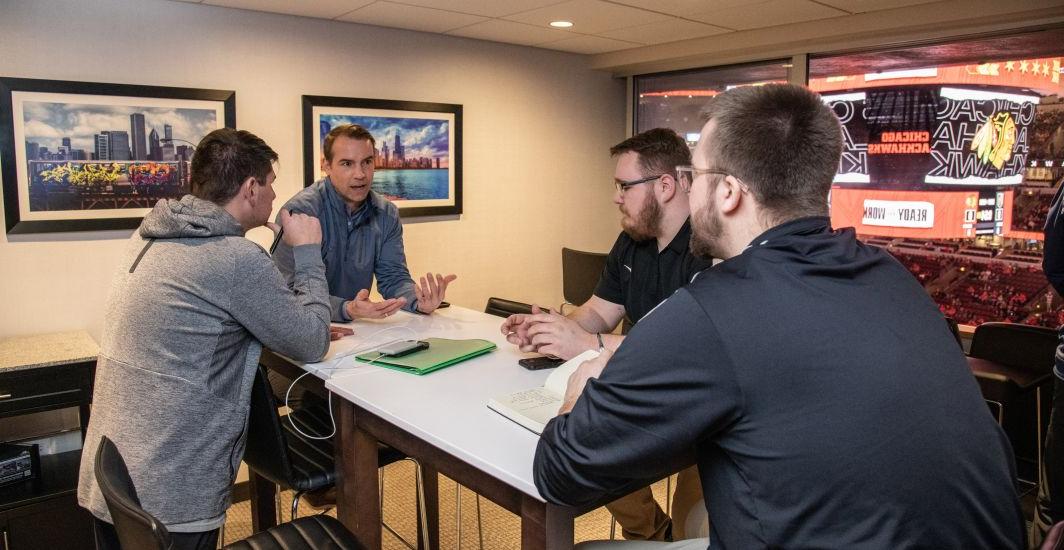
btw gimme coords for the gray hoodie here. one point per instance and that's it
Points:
(188, 313)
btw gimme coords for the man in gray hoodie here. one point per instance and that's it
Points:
(188, 313)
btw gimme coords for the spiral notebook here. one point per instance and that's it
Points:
(442, 352)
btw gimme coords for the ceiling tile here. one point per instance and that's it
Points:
(767, 14)
(488, 8)
(511, 32)
(686, 7)
(861, 6)
(661, 32)
(589, 16)
(326, 9)
(588, 45)
(388, 14)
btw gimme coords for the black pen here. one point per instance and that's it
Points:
(276, 240)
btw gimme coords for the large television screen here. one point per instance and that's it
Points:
(933, 137)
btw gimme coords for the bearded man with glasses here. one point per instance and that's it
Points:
(649, 261)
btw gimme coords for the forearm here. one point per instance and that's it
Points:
(293, 322)
(590, 320)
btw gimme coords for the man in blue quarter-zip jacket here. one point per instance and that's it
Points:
(362, 236)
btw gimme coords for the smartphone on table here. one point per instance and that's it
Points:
(541, 362)
(402, 347)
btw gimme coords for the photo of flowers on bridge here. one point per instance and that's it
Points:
(100, 158)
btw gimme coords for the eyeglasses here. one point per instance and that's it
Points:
(686, 175)
(623, 186)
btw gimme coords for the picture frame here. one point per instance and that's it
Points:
(88, 156)
(418, 164)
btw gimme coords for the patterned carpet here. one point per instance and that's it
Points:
(501, 529)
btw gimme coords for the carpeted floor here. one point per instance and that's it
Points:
(501, 529)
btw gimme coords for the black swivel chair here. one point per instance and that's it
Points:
(580, 274)
(1012, 360)
(139, 530)
(504, 308)
(281, 455)
(955, 330)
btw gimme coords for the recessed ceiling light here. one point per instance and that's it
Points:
(561, 24)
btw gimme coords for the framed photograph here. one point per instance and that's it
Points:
(81, 156)
(418, 161)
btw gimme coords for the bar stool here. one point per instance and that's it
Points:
(278, 453)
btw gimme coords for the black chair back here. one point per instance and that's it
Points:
(266, 449)
(136, 528)
(580, 274)
(1014, 345)
(955, 330)
(505, 308)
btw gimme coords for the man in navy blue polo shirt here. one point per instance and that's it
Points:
(809, 376)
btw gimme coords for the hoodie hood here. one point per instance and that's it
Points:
(189, 217)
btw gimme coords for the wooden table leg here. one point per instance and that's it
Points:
(357, 490)
(431, 486)
(262, 493)
(545, 526)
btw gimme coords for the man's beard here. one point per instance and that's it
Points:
(707, 231)
(644, 226)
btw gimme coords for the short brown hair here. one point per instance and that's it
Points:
(660, 151)
(225, 158)
(353, 131)
(782, 141)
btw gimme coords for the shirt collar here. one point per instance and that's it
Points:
(373, 202)
(682, 240)
(811, 224)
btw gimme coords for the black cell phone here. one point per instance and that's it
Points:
(541, 362)
(403, 347)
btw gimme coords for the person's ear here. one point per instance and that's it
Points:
(324, 165)
(668, 186)
(729, 194)
(249, 189)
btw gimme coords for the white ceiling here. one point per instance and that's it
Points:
(599, 25)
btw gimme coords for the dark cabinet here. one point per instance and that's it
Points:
(43, 513)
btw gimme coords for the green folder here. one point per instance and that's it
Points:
(442, 352)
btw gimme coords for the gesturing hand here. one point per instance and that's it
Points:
(363, 308)
(578, 379)
(431, 291)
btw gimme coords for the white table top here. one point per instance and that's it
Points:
(447, 408)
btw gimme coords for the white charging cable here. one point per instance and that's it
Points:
(332, 420)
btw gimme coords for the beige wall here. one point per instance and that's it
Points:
(537, 127)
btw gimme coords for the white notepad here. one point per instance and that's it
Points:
(533, 408)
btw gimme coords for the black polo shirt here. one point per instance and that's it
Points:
(639, 277)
